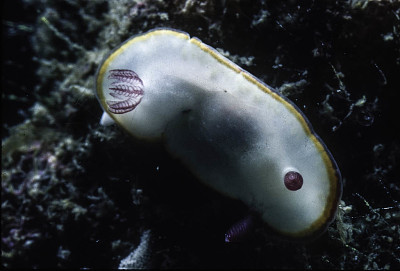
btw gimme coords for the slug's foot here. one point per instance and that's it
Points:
(240, 230)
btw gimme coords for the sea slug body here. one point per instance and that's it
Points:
(235, 133)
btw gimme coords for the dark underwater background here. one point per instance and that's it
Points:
(79, 195)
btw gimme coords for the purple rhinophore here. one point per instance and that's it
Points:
(239, 230)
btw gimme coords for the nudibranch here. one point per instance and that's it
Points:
(235, 133)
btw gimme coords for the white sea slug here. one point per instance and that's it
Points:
(231, 130)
